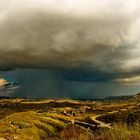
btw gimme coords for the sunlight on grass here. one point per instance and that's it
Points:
(121, 131)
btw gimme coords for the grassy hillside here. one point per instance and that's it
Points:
(69, 120)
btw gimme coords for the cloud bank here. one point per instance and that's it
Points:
(36, 83)
(71, 34)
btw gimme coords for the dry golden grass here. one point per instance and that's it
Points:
(54, 120)
(60, 116)
(121, 131)
(29, 125)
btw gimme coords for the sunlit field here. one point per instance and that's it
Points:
(69, 120)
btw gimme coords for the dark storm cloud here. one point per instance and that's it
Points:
(97, 76)
(69, 34)
(87, 75)
(36, 83)
(55, 83)
(84, 43)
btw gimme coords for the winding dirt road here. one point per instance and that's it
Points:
(100, 123)
(103, 124)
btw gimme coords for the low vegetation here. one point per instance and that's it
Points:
(69, 120)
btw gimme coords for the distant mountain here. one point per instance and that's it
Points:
(135, 97)
(122, 97)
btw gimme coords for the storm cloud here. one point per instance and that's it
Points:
(81, 45)
(70, 34)
(35, 83)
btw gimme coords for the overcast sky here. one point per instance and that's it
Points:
(87, 44)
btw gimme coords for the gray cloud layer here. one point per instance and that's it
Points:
(60, 84)
(101, 36)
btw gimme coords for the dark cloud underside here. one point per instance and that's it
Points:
(85, 43)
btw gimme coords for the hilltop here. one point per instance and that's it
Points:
(132, 98)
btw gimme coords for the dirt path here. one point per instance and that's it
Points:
(103, 124)
(100, 123)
